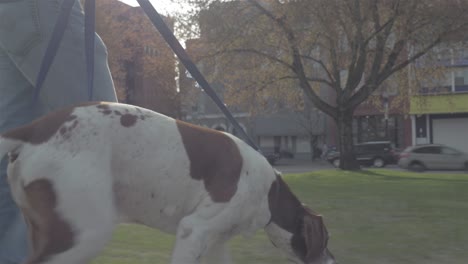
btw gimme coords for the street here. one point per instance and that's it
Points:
(302, 166)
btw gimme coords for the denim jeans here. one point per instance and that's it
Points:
(25, 28)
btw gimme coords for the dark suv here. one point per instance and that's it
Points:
(270, 154)
(377, 154)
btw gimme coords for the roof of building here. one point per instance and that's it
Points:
(287, 124)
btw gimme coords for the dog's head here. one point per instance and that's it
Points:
(307, 243)
(295, 228)
(312, 238)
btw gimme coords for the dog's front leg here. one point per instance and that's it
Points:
(200, 237)
(218, 253)
(191, 242)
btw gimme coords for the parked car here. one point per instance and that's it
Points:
(433, 157)
(375, 153)
(272, 157)
(270, 154)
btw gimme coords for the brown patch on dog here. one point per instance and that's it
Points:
(73, 126)
(42, 129)
(128, 120)
(214, 158)
(103, 106)
(104, 109)
(284, 206)
(63, 130)
(49, 233)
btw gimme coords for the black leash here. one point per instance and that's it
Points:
(54, 44)
(52, 47)
(90, 22)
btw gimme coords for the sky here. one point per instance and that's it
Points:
(162, 6)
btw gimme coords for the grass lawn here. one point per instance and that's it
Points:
(374, 217)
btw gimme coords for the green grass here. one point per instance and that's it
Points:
(375, 216)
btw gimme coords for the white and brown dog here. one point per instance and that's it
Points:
(78, 172)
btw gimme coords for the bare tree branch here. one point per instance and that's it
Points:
(310, 79)
(323, 66)
(298, 67)
(387, 71)
(259, 53)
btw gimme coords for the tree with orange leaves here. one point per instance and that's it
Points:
(141, 63)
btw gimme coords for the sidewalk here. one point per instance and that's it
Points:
(301, 165)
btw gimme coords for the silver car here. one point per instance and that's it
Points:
(433, 157)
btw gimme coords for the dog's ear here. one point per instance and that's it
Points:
(315, 235)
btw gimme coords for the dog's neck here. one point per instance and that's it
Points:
(287, 215)
(285, 208)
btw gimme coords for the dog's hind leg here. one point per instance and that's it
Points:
(70, 216)
(55, 237)
(89, 245)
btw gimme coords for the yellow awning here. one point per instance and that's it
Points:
(439, 104)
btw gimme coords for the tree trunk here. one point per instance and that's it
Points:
(313, 146)
(345, 135)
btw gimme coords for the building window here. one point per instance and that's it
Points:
(461, 80)
(277, 144)
(437, 83)
(294, 143)
(455, 80)
(377, 128)
(151, 51)
(130, 82)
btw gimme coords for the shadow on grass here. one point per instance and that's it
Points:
(409, 177)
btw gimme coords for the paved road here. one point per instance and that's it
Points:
(302, 166)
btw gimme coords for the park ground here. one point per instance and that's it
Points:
(376, 216)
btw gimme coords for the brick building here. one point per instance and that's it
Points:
(142, 64)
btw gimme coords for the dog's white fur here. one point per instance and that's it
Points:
(104, 171)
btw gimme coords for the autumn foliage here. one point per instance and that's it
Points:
(337, 52)
(142, 65)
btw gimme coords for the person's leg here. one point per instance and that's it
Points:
(14, 111)
(25, 28)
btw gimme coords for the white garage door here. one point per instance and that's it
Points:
(452, 132)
